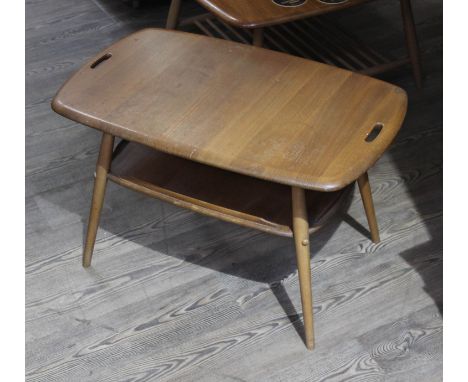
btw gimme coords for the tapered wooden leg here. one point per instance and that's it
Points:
(411, 40)
(366, 195)
(102, 168)
(301, 240)
(173, 16)
(257, 37)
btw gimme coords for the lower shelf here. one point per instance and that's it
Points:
(314, 38)
(218, 193)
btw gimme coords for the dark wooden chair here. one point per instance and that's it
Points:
(295, 26)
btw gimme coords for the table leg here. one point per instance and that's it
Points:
(173, 16)
(257, 37)
(366, 195)
(411, 40)
(301, 240)
(102, 168)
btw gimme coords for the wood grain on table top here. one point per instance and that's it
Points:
(261, 13)
(237, 107)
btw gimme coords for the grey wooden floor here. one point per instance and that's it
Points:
(177, 296)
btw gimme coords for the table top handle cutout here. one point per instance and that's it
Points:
(374, 133)
(101, 59)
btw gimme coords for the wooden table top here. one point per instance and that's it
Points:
(261, 13)
(245, 109)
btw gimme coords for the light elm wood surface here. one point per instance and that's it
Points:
(176, 296)
(241, 108)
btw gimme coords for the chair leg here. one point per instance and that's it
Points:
(366, 195)
(411, 40)
(257, 37)
(173, 16)
(102, 168)
(301, 240)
